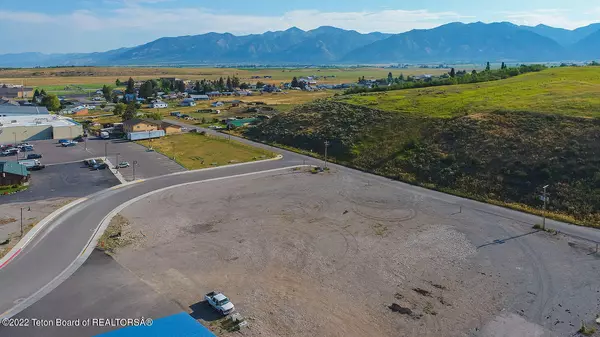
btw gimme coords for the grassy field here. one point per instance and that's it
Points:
(196, 151)
(566, 91)
(94, 77)
(279, 101)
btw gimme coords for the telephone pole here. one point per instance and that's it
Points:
(326, 145)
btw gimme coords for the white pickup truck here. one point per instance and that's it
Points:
(218, 301)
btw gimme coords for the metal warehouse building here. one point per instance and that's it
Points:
(37, 127)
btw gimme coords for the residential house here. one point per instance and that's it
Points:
(216, 104)
(16, 92)
(200, 97)
(170, 128)
(140, 125)
(214, 94)
(13, 173)
(159, 105)
(147, 125)
(130, 97)
(188, 102)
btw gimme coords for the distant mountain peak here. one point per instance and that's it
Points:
(454, 42)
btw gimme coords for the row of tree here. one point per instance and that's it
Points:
(452, 78)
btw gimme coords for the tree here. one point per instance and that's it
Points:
(229, 87)
(401, 77)
(43, 92)
(295, 83)
(244, 86)
(130, 86)
(390, 78)
(51, 102)
(452, 73)
(198, 87)
(106, 91)
(146, 90)
(180, 86)
(130, 111)
(235, 82)
(503, 66)
(259, 84)
(119, 109)
(118, 82)
(487, 67)
(474, 72)
(221, 84)
(36, 93)
(154, 115)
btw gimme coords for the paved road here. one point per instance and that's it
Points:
(61, 242)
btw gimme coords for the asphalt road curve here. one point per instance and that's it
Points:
(38, 267)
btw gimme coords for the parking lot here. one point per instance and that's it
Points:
(149, 164)
(73, 180)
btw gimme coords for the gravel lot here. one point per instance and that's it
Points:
(328, 254)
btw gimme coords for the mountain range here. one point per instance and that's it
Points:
(450, 43)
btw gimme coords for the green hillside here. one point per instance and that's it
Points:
(504, 151)
(566, 91)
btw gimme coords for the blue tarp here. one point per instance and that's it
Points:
(178, 325)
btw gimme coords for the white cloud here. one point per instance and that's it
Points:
(551, 17)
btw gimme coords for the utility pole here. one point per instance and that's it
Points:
(134, 163)
(28, 210)
(544, 210)
(326, 145)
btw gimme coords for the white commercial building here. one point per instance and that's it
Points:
(37, 127)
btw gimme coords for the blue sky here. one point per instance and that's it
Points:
(59, 26)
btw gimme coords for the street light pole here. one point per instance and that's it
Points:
(17, 151)
(544, 210)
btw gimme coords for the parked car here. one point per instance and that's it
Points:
(10, 152)
(102, 166)
(219, 302)
(69, 143)
(63, 141)
(34, 156)
(123, 164)
(37, 167)
(26, 148)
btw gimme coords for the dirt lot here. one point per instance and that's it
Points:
(33, 212)
(331, 254)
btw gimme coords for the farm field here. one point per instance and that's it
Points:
(95, 77)
(196, 151)
(567, 91)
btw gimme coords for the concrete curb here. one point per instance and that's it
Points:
(35, 230)
(92, 242)
(115, 172)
